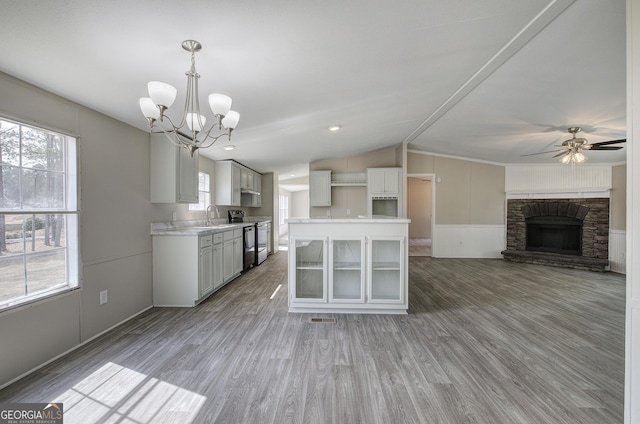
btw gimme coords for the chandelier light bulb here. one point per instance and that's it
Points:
(220, 104)
(231, 120)
(196, 122)
(162, 93)
(149, 108)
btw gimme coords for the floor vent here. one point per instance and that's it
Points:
(323, 320)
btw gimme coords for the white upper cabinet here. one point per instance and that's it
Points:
(384, 192)
(384, 181)
(320, 188)
(174, 173)
(237, 185)
(227, 183)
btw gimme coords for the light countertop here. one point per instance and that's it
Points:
(358, 220)
(200, 227)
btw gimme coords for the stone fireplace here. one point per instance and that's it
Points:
(570, 233)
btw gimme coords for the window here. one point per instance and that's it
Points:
(38, 213)
(204, 194)
(284, 208)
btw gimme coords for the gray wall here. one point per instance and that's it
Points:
(468, 193)
(114, 232)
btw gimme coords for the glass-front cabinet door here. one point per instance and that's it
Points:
(386, 270)
(309, 267)
(347, 272)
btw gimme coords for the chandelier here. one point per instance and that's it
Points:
(190, 132)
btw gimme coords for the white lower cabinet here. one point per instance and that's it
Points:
(189, 268)
(345, 272)
(218, 279)
(205, 278)
(309, 259)
(386, 270)
(232, 254)
(238, 252)
(227, 259)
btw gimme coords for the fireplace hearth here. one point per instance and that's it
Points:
(570, 233)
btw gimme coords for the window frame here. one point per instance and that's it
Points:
(204, 196)
(69, 210)
(281, 209)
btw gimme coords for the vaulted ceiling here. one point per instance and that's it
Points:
(484, 79)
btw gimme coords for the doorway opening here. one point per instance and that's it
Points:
(420, 210)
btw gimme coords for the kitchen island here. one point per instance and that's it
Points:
(351, 265)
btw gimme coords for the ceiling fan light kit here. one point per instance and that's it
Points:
(190, 132)
(570, 151)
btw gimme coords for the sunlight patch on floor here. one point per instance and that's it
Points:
(115, 394)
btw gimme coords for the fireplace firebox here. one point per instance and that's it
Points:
(554, 234)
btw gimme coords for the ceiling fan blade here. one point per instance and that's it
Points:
(602, 143)
(597, 146)
(542, 153)
(563, 153)
(606, 148)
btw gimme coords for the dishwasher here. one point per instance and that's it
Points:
(249, 245)
(249, 239)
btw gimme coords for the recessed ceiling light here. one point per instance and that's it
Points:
(334, 128)
(229, 147)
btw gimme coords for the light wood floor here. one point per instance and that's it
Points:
(419, 247)
(486, 341)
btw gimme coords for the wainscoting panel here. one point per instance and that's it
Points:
(468, 241)
(557, 178)
(617, 251)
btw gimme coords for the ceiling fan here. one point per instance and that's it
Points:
(570, 151)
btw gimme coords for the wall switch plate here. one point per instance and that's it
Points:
(103, 297)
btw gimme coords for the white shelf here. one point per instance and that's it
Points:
(385, 266)
(311, 266)
(348, 179)
(347, 266)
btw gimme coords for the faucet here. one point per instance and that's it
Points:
(209, 215)
(209, 222)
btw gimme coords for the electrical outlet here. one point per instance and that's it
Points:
(104, 298)
(348, 212)
(328, 212)
(174, 216)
